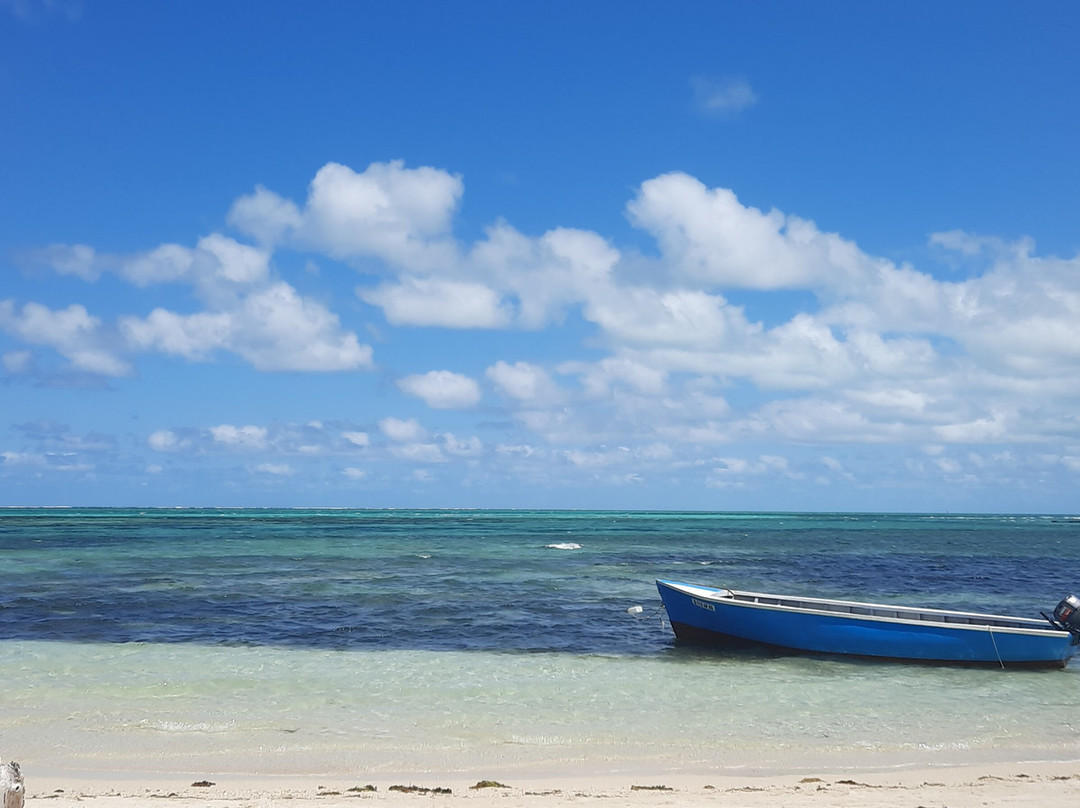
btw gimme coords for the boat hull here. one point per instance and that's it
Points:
(718, 616)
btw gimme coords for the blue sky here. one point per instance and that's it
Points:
(723, 256)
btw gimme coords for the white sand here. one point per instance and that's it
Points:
(1037, 784)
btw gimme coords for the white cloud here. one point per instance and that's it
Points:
(980, 430)
(265, 216)
(437, 302)
(72, 332)
(61, 462)
(967, 243)
(169, 263)
(354, 473)
(599, 378)
(192, 336)
(297, 443)
(471, 447)
(744, 327)
(442, 389)
(216, 264)
(248, 312)
(522, 451)
(165, 440)
(396, 213)
(243, 437)
(361, 439)
(280, 330)
(544, 275)
(597, 459)
(803, 354)
(680, 318)
(23, 459)
(708, 236)
(232, 261)
(736, 471)
(723, 95)
(522, 381)
(274, 329)
(402, 431)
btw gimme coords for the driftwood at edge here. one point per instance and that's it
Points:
(12, 789)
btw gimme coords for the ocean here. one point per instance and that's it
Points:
(387, 643)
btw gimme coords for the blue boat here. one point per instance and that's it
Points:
(706, 614)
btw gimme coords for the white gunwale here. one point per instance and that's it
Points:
(964, 621)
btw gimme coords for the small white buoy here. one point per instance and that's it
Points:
(635, 610)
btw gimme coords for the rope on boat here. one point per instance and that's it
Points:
(990, 628)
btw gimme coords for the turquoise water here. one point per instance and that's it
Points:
(487, 643)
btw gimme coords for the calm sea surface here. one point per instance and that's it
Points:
(386, 642)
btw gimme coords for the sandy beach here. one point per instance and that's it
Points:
(1036, 784)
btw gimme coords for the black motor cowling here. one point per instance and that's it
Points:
(1067, 614)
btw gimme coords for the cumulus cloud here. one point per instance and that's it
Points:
(402, 431)
(599, 378)
(273, 329)
(403, 216)
(544, 275)
(280, 330)
(399, 214)
(442, 389)
(638, 315)
(165, 440)
(439, 302)
(247, 311)
(192, 336)
(265, 216)
(72, 332)
(217, 264)
(708, 236)
(667, 353)
(522, 381)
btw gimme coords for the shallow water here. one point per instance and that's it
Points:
(407, 642)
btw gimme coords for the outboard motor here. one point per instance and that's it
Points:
(1067, 614)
